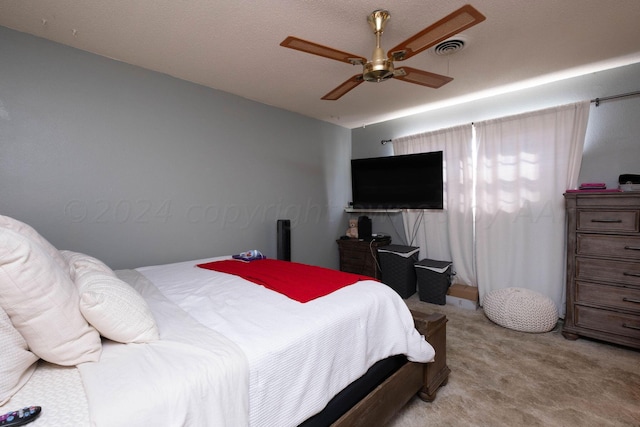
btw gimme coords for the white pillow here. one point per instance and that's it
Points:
(114, 308)
(17, 362)
(43, 303)
(29, 232)
(79, 262)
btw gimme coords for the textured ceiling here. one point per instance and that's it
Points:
(233, 46)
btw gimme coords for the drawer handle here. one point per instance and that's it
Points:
(631, 274)
(608, 221)
(632, 248)
(625, 299)
(637, 328)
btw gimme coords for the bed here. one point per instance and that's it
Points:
(182, 344)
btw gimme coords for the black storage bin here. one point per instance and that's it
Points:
(434, 278)
(396, 265)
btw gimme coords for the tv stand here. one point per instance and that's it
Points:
(356, 210)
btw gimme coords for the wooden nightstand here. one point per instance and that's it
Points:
(360, 256)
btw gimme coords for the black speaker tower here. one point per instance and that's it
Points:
(364, 227)
(284, 239)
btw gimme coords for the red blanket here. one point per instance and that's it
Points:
(300, 282)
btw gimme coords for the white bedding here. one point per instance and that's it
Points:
(192, 376)
(59, 391)
(300, 355)
(196, 376)
(231, 353)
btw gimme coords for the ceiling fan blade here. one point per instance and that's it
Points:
(420, 77)
(463, 18)
(320, 50)
(344, 88)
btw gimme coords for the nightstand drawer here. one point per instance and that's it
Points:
(354, 256)
(597, 319)
(610, 296)
(608, 221)
(608, 246)
(355, 268)
(608, 271)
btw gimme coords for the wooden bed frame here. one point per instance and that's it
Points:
(422, 379)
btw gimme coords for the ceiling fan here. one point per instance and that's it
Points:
(381, 66)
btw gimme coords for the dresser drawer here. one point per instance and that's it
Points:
(608, 271)
(611, 200)
(607, 321)
(610, 296)
(608, 246)
(608, 221)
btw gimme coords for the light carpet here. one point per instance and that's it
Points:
(500, 377)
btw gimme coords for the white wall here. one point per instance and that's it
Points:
(138, 168)
(612, 145)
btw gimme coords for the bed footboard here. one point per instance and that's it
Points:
(422, 379)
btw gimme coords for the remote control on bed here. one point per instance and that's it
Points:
(20, 417)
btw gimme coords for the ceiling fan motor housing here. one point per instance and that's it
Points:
(379, 68)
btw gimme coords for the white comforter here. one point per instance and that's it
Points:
(299, 355)
(192, 376)
(231, 353)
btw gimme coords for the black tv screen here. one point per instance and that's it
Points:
(412, 181)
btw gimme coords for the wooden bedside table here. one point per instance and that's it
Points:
(360, 256)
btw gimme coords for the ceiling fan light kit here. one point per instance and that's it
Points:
(381, 66)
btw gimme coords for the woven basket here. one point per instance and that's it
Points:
(434, 279)
(396, 265)
(520, 309)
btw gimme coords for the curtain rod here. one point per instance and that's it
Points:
(597, 101)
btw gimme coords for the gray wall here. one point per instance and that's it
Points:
(139, 168)
(612, 145)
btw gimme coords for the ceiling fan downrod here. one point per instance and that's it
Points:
(380, 67)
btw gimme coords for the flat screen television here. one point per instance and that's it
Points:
(412, 181)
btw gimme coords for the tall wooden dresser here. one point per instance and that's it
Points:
(603, 267)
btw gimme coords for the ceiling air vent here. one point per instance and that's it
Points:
(450, 46)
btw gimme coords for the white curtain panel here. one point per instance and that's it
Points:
(445, 235)
(524, 165)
